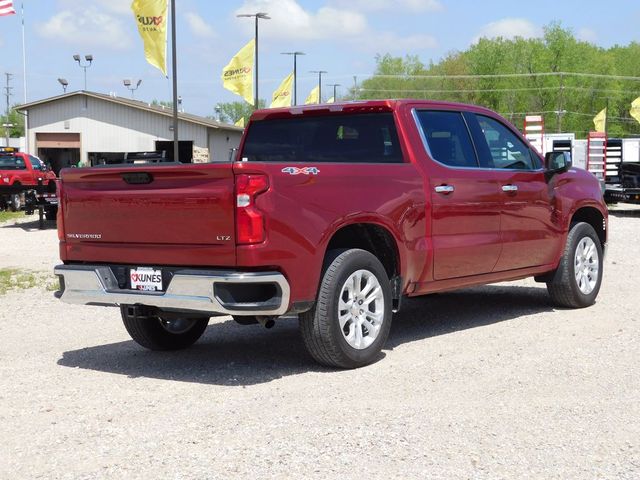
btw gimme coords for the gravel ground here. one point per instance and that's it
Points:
(483, 383)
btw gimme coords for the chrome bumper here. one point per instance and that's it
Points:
(188, 290)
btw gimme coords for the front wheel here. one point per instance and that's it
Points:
(14, 202)
(576, 282)
(157, 333)
(350, 322)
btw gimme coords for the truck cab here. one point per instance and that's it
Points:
(18, 171)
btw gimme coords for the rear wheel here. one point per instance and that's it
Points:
(350, 322)
(157, 333)
(576, 282)
(50, 213)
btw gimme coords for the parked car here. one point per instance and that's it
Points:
(20, 172)
(333, 213)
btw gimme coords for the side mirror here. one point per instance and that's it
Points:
(557, 162)
(233, 154)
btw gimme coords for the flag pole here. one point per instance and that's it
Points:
(24, 82)
(176, 150)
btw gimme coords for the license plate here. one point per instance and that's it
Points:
(145, 278)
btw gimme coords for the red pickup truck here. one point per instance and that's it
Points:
(333, 213)
(19, 170)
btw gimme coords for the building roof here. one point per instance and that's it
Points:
(168, 112)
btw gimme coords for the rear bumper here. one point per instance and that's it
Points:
(216, 292)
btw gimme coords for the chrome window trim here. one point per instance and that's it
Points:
(425, 143)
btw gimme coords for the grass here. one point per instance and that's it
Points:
(6, 215)
(12, 279)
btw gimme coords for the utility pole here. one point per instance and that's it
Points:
(7, 125)
(560, 109)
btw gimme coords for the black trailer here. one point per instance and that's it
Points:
(622, 179)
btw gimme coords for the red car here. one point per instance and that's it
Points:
(19, 170)
(334, 213)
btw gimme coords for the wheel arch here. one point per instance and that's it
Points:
(373, 237)
(593, 217)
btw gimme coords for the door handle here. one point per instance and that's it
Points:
(446, 189)
(509, 188)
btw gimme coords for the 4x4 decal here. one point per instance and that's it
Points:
(298, 171)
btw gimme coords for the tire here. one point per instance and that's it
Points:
(50, 213)
(354, 345)
(582, 253)
(155, 333)
(14, 202)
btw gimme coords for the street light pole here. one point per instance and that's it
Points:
(295, 75)
(174, 68)
(319, 72)
(334, 85)
(258, 16)
(89, 59)
(129, 84)
(64, 83)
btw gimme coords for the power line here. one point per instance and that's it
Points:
(510, 75)
(481, 90)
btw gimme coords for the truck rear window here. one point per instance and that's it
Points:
(10, 162)
(354, 138)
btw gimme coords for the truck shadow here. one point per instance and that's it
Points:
(625, 212)
(233, 355)
(32, 225)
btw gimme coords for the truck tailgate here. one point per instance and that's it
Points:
(152, 209)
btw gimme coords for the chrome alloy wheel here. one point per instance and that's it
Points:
(178, 325)
(586, 265)
(361, 309)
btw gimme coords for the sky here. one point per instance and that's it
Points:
(342, 37)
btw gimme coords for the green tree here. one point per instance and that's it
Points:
(543, 81)
(16, 119)
(231, 112)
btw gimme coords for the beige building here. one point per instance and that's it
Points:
(86, 128)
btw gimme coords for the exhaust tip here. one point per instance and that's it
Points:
(266, 322)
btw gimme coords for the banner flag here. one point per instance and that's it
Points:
(282, 96)
(6, 8)
(332, 100)
(635, 109)
(151, 17)
(240, 123)
(600, 121)
(237, 75)
(314, 96)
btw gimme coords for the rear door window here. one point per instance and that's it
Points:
(344, 138)
(447, 138)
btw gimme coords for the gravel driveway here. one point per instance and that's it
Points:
(483, 383)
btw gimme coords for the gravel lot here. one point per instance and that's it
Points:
(483, 383)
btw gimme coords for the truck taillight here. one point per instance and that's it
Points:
(249, 219)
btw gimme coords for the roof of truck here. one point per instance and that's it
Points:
(364, 106)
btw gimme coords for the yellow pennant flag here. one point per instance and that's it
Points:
(237, 76)
(332, 100)
(240, 123)
(635, 109)
(151, 17)
(314, 96)
(282, 96)
(600, 121)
